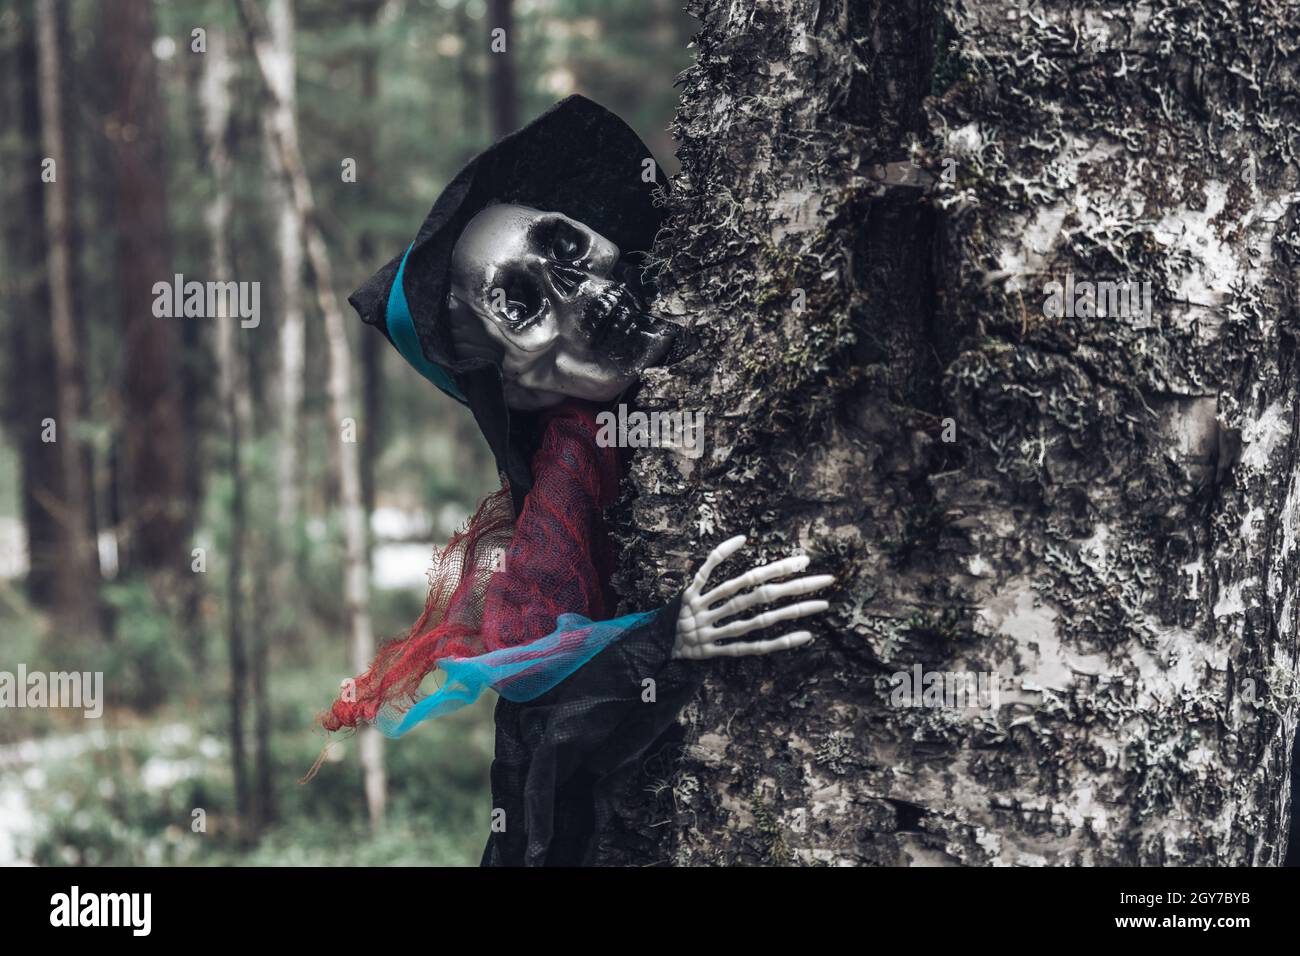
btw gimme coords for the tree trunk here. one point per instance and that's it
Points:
(503, 101)
(32, 392)
(153, 459)
(356, 583)
(469, 70)
(281, 558)
(369, 182)
(1098, 512)
(202, 411)
(236, 403)
(280, 114)
(75, 586)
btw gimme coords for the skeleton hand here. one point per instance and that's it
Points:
(698, 637)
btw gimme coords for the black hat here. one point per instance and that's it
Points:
(578, 159)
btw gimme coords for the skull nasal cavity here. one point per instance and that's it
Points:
(565, 279)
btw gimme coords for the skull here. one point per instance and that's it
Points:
(551, 300)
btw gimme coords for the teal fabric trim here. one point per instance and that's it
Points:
(517, 673)
(401, 329)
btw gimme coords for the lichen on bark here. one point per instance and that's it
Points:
(1113, 532)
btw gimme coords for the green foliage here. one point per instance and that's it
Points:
(143, 662)
(122, 792)
(22, 643)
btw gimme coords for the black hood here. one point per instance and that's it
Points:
(578, 159)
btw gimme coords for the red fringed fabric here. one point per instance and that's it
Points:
(501, 583)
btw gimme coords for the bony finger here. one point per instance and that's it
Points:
(715, 558)
(767, 618)
(768, 572)
(767, 594)
(749, 648)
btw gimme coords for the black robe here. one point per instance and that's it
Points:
(564, 760)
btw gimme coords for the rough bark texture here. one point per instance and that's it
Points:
(1113, 531)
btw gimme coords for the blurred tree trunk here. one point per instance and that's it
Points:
(202, 411)
(1111, 529)
(280, 115)
(471, 83)
(32, 392)
(372, 403)
(197, 382)
(356, 583)
(368, 181)
(77, 579)
(279, 559)
(153, 459)
(503, 100)
(237, 407)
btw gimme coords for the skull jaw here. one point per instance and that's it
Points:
(600, 373)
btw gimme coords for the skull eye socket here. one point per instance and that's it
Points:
(518, 300)
(566, 243)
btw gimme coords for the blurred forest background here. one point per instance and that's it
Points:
(229, 514)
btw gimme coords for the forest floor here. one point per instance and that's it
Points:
(132, 789)
(152, 783)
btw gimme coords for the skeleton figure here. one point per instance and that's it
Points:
(551, 300)
(522, 298)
